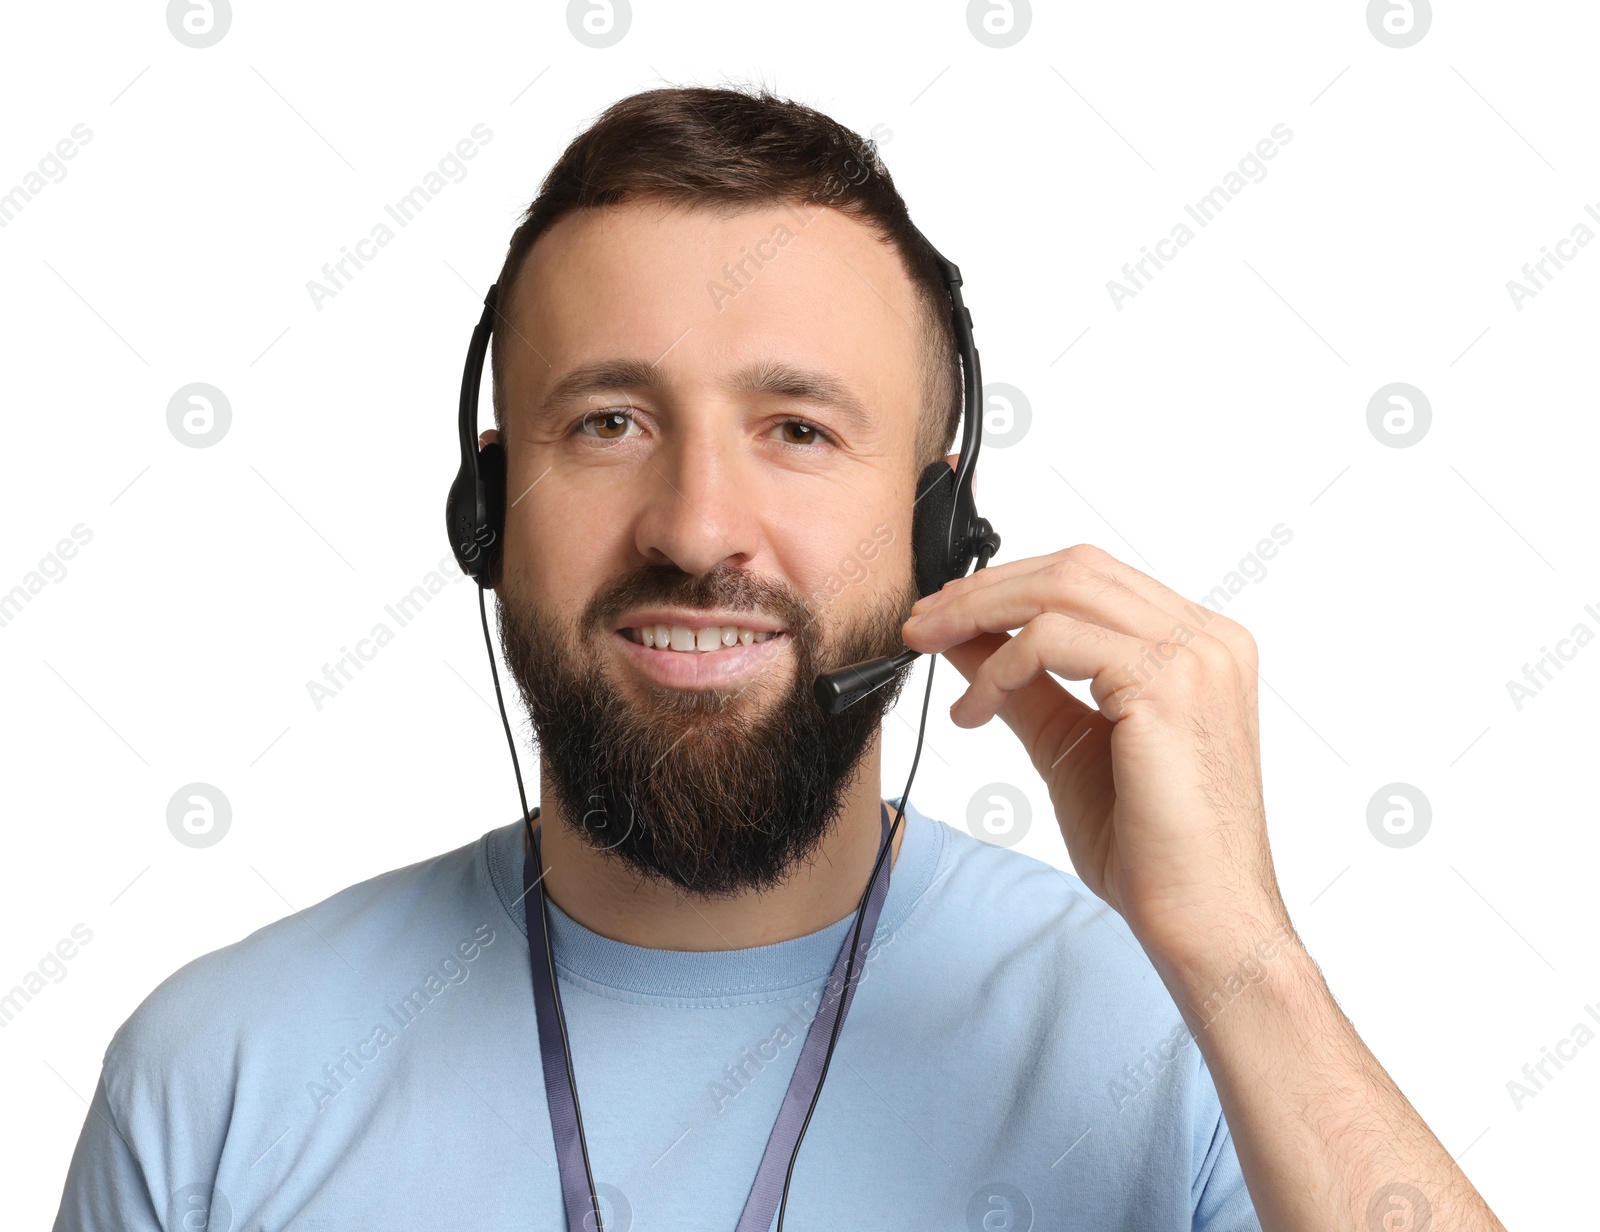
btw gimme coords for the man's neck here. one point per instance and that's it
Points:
(606, 897)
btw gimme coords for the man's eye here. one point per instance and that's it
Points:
(606, 423)
(807, 433)
(612, 424)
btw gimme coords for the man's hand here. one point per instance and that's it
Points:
(1158, 793)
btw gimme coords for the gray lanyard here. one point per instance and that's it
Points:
(560, 1086)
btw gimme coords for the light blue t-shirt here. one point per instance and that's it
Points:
(1011, 1061)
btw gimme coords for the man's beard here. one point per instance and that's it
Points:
(714, 792)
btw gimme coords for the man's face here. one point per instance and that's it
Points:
(710, 424)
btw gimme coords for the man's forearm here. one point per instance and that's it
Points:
(1324, 1137)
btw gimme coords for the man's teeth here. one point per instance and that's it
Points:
(682, 637)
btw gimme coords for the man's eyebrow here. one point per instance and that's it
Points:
(804, 385)
(607, 374)
(765, 377)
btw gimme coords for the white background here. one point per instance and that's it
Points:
(1228, 396)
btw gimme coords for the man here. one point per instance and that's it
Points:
(721, 360)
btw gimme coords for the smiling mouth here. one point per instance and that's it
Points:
(684, 639)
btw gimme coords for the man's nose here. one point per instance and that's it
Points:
(700, 508)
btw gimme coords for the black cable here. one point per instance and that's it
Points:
(855, 940)
(494, 672)
(855, 935)
(983, 555)
(544, 920)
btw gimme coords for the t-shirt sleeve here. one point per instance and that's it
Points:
(1221, 1201)
(105, 1189)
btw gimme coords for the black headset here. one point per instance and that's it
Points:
(946, 532)
(947, 536)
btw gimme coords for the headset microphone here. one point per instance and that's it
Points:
(946, 532)
(947, 537)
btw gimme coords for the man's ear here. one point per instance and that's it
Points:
(489, 436)
(952, 459)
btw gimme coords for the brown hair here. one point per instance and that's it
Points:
(729, 149)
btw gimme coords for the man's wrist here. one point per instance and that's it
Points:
(1223, 962)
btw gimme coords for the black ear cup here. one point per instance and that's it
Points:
(459, 514)
(930, 526)
(492, 470)
(477, 531)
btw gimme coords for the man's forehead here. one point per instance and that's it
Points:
(713, 241)
(624, 287)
